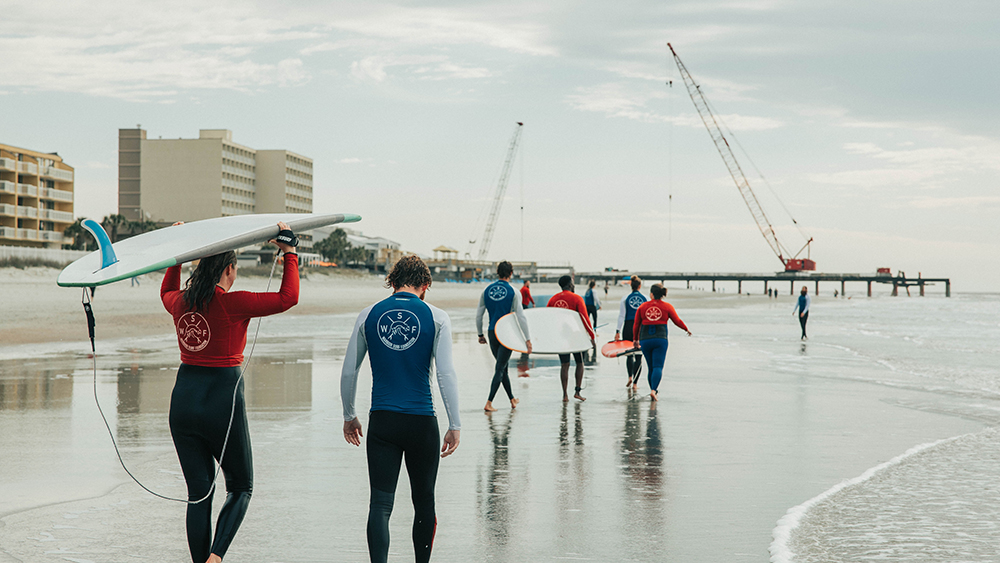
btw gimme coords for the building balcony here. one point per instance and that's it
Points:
(53, 236)
(58, 195)
(23, 211)
(27, 167)
(58, 174)
(8, 187)
(8, 232)
(8, 210)
(27, 234)
(53, 215)
(8, 164)
(28, 189)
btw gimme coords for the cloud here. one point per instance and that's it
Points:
(618, 99)
(349, 160)
(971, 202)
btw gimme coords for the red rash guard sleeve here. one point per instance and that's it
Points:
(171, 284)
(250, 304)
(672, 313)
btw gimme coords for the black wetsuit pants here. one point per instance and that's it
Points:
(633, 362)
(200, 406)
(391, 437)
(500, 375)
(803, 318)
(592, 311)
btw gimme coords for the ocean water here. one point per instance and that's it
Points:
(874, 439)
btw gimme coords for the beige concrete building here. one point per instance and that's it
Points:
(36, 198)
(167, 180)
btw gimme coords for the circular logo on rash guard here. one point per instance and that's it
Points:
(654, 314)
(497, 292)
(635, 301)
(398, 329)
(562, 303)
(193, 332)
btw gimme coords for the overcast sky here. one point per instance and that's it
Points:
(875, 122)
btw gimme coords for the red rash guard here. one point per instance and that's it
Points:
(573, 302)
(526, 296)
(655, 312)
(217, 336)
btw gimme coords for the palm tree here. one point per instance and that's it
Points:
(82, 239)
(112, 223)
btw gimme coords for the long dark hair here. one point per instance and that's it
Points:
(658, 291)
(200, 287)
(636, 283)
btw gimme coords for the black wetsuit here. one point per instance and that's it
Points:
(200, 406)
(633, 362)
(501, 375)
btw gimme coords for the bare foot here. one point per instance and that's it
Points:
(213, 558)
(629, 384)
(489, 407)
(653, 395)
(635, 387)
(565, 398)
(513, 403)
(579, 397)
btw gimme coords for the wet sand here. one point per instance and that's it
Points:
(704, 475)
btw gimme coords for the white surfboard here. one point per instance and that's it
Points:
(553, 331)
(170, 246)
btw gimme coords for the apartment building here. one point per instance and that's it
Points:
(167, 180)
(36, 198)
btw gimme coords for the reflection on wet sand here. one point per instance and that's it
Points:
(642, 469)
(493, 490)
(525, 363)
(25, 385)
(573, 479)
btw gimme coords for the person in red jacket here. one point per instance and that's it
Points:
(649, 331)
(207, 408)
(566, 299)
(526, 299)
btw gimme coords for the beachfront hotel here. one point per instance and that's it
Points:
(36, 198)
(167, 180)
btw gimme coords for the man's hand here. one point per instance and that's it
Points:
(689, 333)
(352, 432)
(482, 339)
(528, 342)
(450, 442)
(618, 336)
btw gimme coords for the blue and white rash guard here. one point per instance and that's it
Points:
(498, 299)
(802, 304)
(401, 335)
(626, 311)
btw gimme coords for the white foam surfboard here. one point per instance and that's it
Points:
(553, 331)
(174, 245)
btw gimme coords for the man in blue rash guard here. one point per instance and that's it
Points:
(402, 335)
(802, 307)
(626, 318)
(499, 299)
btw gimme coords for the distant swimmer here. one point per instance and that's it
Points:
(211, 324)
(526, 300)
(650, 333)
(566, 299)
(402, 335)
(802, 307)
(592, 301)
(626, 316)
(500, 299)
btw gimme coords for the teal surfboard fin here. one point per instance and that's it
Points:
(103, 242)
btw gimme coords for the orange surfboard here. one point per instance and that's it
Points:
(617, 348)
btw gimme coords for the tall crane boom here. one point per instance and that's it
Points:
(491, 221)
(791, 263)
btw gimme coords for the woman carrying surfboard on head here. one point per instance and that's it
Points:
(566, 299)
(650, 333)
(626, 317)
(211, 324)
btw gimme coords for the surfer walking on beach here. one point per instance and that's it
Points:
(802, 308)
(402, 335)
(526, 300)
(208, 421)
(592, 301)
(626, 318)
(566, 299)
(650, 333)
(499, 299)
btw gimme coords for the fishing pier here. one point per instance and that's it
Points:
(792, 278)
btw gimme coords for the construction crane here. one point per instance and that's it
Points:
(491, 221)
(791, 262)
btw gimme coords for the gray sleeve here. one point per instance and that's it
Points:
(518, 311)
(446, 375)
(479, 314)
(357, 347)
(597, 300)
(621, 316)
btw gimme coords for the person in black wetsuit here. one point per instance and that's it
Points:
(498, 299)
(402, 335)
(211, 324)
(626, 318)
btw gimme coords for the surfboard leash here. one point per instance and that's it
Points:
(89, 310)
